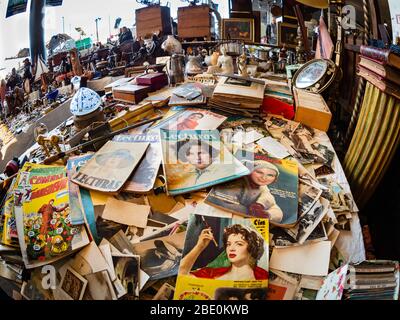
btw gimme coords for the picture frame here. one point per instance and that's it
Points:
(287, 34)
(238, 29)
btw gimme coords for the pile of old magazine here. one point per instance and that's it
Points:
(238, 95)
(199, 205)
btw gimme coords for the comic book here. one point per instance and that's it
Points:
(270, 191)
(111, 166)
(194, 160)
(9, 235)
(43, 217)
(224, 259)
(143, 178)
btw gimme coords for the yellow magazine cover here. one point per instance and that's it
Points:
(224, 259)
(43, 214)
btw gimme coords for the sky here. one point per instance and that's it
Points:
(14, 31)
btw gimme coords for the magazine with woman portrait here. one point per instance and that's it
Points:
(181, 118)
(270, 191)
(197, 159)
(222, 253)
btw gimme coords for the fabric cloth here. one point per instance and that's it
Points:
(325, 45)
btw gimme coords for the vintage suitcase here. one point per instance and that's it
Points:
(156, 81)
(312, 110)
(131, 93)
(194, 22)
(153, 19)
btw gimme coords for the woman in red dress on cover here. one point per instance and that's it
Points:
(243, 246)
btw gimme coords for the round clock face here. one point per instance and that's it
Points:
(311, 74)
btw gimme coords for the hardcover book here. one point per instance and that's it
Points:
(386, 72)
(383, 56)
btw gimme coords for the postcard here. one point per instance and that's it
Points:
(73, 284)
(333, 286)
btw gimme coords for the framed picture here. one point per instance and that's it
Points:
(287, 34)
(238, 29)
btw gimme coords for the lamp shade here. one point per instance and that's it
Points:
(84, 102)
(320, 4)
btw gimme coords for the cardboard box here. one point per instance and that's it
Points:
(312, 110)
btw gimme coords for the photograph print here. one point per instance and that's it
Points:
(160, 257)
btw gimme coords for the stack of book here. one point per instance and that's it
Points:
(235, 94)
(378, 280)
(280, 90)
(382, 68)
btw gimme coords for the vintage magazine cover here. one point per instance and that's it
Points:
(43, 218)
(224, 259)
(80, 198)
(179, 118)
(194, 160)
(111, 166)
(73, 165)
(270, 191)
(143, 178)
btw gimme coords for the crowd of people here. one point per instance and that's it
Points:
(19, 83)
(13, 89)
